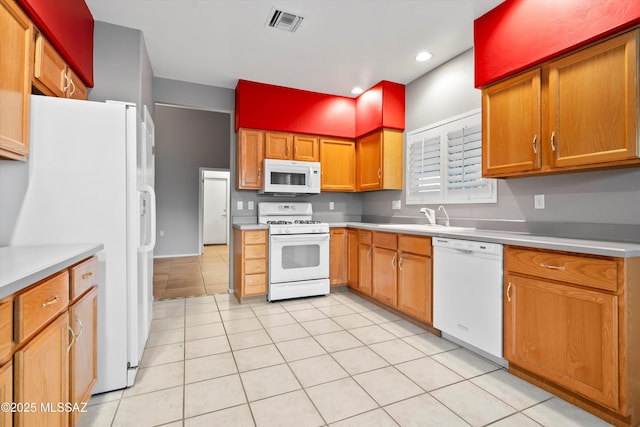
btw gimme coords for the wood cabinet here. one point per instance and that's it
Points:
(41, 375)
(6, 329)
(338, 256)
(337, 165)
(352, 258)
(83, 318)
(250, 261)
(250, 156)
(379, 161)
(16, 62)
(287, 146)
(365, 259)
(578, 112)
(384, 268)
(6, 393)
(568, 325)
(415, 290)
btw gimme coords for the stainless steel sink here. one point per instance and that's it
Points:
(436, 228)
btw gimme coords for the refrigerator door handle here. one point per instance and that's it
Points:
(152, 218)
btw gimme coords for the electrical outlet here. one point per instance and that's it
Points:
(250, 205)
(161, 233)
(538, 201)
(239, 205)
(331, 206)
(396, 205)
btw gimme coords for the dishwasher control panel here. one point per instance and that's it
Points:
(467, 245)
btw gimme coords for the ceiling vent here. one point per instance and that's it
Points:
(284, 21)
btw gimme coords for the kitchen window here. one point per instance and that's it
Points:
(444, 163)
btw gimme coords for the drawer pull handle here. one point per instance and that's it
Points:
(393, 262)
(535, 144)
(73, 338)
(509, 292)
(400, 263)
(553, 141)
(51, 301)
(87, 275)
(553, 267)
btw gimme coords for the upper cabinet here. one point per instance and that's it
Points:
(379, 158)
(51, 74)
(577, 112)
(337, 165)
(286, 146)
(249, 155)
(16, 45)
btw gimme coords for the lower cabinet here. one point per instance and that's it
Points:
(415, 288)
(352, 258)
(6, 392)
(41, 375)
(250, 262)
(83, 318)
(338, 256)
(365, 259)
(385, 263)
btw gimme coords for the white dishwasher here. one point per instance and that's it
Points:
(467, 292)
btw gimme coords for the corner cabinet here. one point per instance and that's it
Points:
(338, 256)
(578, 112)
(379, 157)
(568, 325)
(352, 258)
(250, 156)
(337, 165)
(16, 62)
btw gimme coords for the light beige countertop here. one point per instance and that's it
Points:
(22, 266)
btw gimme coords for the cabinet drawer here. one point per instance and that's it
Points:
(414, 244)
(595, 272)
(84, 276)
(41, 303)
(255, 284)
(255, 251)
(254, 237)
(255, 266)
(385, 240)
(365, 237)
(6, 339)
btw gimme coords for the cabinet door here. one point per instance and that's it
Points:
(338, 257)
(592, 104)
(84, 351)
(565, 334)
(337, 164)
(41, 374)
(385, 276)
(364, 268)
(16, 45)
(369, 160)
(278, 145)
(415, 286)
(76, 89)
(6, 393)
(49, 69)
(511, 126)
(352, 258)
(306, 148)
(250, 155)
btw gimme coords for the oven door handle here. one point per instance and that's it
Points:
(309, 238)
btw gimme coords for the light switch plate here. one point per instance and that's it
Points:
(396, 205)
(331, 206)
(538, 201)
(250, 205)
(239, 205)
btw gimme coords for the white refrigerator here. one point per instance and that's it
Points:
(91, 180)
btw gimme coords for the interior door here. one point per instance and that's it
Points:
(215, 211)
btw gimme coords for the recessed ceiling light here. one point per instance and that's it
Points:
(423, 56)
(357, 90)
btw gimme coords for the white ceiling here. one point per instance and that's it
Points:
(340, 43)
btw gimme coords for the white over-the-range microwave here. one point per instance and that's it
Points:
(290, 177)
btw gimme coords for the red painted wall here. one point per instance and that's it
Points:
(382, 106)
(68, 25)
(519, 34)
(269, 107)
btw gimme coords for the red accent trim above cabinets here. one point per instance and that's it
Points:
(68, 25)
(382, 106)
(519, 34)
(279, 108)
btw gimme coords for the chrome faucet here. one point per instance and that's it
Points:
(447, 223)
(430, 214)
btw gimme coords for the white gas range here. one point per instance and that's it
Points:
(298, 250)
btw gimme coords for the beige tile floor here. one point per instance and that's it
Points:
(335, 360)
(182, 277)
